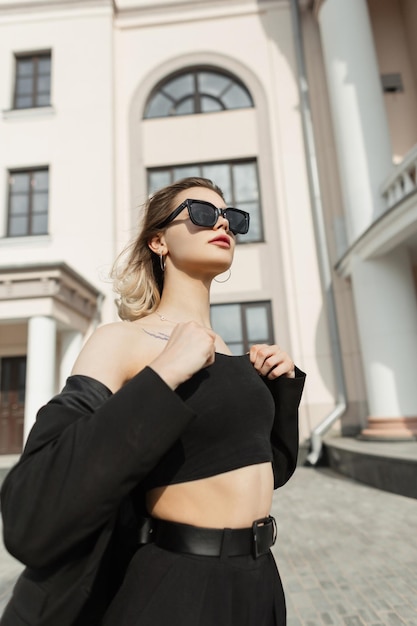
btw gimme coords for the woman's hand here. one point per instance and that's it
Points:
(190, 348)
(271, 361)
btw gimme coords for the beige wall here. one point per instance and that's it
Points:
(394, 25)
(409, 12)
(74, 138)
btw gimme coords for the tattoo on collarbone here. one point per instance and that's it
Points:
(157, 335)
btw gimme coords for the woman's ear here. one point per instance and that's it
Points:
(157, 244)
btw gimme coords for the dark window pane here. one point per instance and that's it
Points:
(44, 65)
(226, 320)
(20, 182)
(219, 173)
(44, 84)
(212, 83)
(28, 203)
(245, 182)
(210, 105)
(18, 226)
(23, 102)
(19, 204)
(33, 82)
(40, 202)
(255, 226)
(257, 323)
(39, 224)
(6, 375)
(24, 86)
(24, 67)
(209, 91)
(186, 107)
(43, 99)
(159, 106)
(157, 180)
(186, 170)
(180, 86)
(237, 349)
(256, 326)
(246, 194)
(21, 380)
(236, 98)
(40, 180)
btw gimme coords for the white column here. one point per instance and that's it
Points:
(41, 362)
(386, 307)
(383, 288)
(358, 111)
(71, 342)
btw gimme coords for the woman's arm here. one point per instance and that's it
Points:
(286, 383)
(284, 437)
(76, 468)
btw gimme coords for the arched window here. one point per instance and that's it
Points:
(197, 90)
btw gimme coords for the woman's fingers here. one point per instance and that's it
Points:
(271, 361)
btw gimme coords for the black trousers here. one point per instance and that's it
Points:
(165, 588)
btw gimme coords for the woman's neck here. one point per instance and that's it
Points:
(185, 303)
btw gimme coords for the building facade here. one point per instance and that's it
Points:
(303, 112)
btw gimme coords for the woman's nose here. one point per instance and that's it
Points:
(222, 222)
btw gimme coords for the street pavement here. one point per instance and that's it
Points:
(347, 553)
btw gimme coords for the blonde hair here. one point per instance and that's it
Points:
(137, 275)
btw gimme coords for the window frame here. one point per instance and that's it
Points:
(243, 307)
(30, 171)
(196, 95)
(34, 56)
(231, 201)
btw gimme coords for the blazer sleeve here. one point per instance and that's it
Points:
(284, 436)
(81, 459)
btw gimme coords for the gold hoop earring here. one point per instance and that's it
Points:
(162, 262)
(226, 279)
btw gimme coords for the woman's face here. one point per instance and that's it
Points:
(195, 249)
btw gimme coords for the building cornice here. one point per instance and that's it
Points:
(391, 229)
(162, 5)
(50, 280)
(19, 7)
(134, 13)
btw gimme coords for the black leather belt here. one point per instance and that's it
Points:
(176, 537)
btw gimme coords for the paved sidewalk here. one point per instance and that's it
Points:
(347, 553)
(9, 570)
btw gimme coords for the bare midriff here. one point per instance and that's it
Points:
(230, 500)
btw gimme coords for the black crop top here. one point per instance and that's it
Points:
(232, 428)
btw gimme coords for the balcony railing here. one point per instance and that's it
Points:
(402, 181)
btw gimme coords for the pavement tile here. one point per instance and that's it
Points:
(392, 619)
(353, 620)
(356, 541)
(368, 616)
(406, 613)
(378, 604)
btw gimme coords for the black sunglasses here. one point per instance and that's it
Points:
(205, 214)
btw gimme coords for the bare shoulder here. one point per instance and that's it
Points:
(113, 354)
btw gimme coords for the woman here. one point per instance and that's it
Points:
(159, 419)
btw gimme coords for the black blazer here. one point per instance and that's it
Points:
(67, 512)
